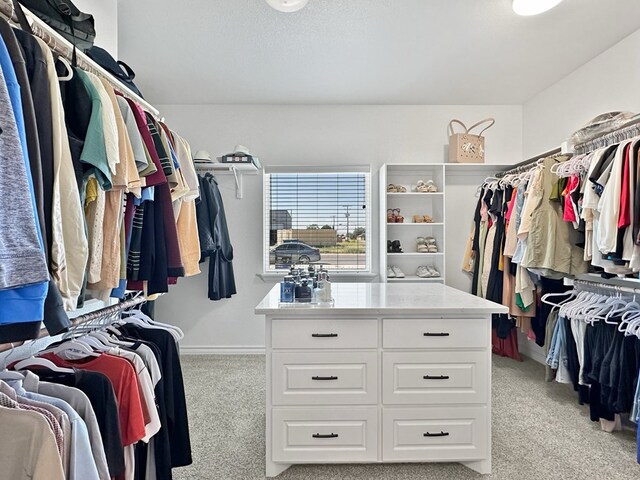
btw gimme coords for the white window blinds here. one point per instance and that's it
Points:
(318, 217)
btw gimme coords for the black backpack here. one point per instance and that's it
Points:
(65, 18)
(117, 68)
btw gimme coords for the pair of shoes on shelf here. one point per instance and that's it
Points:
(393, 216)
(426, 187)
(391, 188)
(426, 245)
(394, 272)
(422, 219)
(394, 246)
(427, 271)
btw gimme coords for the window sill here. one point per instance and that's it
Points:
(364, 277)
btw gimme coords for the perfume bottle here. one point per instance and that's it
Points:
(287, 289)
(303, 292)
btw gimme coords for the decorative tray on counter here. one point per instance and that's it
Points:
(297, 304)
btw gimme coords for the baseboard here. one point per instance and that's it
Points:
(216, 350)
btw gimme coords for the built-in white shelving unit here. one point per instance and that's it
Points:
(412, 203)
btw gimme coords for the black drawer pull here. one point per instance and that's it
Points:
(438, 334)
(324, 378)
(324, 335)
(436, 377)
(441, 434)
(327, 435)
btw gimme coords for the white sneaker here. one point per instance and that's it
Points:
(434, 273)
(423, 272)
(390, 273)
(398, 273)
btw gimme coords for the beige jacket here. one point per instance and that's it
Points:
(69, 247)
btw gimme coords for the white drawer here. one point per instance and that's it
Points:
(432, 333)
(324, 333)
(435, 377)
(324, 435)
(446, 434)
(324, 378)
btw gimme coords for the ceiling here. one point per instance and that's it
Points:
(361, 51)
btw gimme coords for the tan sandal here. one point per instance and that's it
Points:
(427, 219)
(401, 189)
(428, 187)
(417, 219)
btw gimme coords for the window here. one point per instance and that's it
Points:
(319, 217)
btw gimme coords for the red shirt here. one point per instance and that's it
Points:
(125, 385)
(624, 220)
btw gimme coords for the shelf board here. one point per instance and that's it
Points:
(244, 168)
(413, 278)
(411, 224)
(414, 194)
(415, 254)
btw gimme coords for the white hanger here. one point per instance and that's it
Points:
(69, 68)
(92, 343)
(8, 374)
(139, 318)
(545, 298)
(41, 362)
(73, 346)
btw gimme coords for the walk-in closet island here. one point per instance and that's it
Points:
(385, 373)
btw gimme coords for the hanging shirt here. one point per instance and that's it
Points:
(81, 461)
(135, 137)
(81, 404)
(125, 384)
(94, 151)
(177, 421)
(100, 392)
(69, 249)
(30, 449)
(23, 270)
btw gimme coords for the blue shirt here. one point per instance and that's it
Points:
(26, 303)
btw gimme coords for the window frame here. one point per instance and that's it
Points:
(367, 272)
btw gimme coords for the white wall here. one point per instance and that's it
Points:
(609, 82)
(105, 13)
(314, 135)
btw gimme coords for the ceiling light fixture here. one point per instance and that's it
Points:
(528, 8)
(287, 6)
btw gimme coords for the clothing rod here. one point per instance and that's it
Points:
(82, 319)
(525, 165)
(613, 284)
(64, 48)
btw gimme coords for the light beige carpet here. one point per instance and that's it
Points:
(539, 430)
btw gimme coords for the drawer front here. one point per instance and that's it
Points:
(447, 434)
(324, 435)
(324, 378)
(445, 333)
(435, 377)
(324, 333)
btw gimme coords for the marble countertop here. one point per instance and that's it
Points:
(386, 298)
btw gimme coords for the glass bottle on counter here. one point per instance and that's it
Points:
(287, 289)
(303, 292)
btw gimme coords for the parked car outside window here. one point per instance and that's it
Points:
(292, 252)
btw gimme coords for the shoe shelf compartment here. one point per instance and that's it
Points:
(412, 203)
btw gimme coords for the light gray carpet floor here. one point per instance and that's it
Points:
(539, 430)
